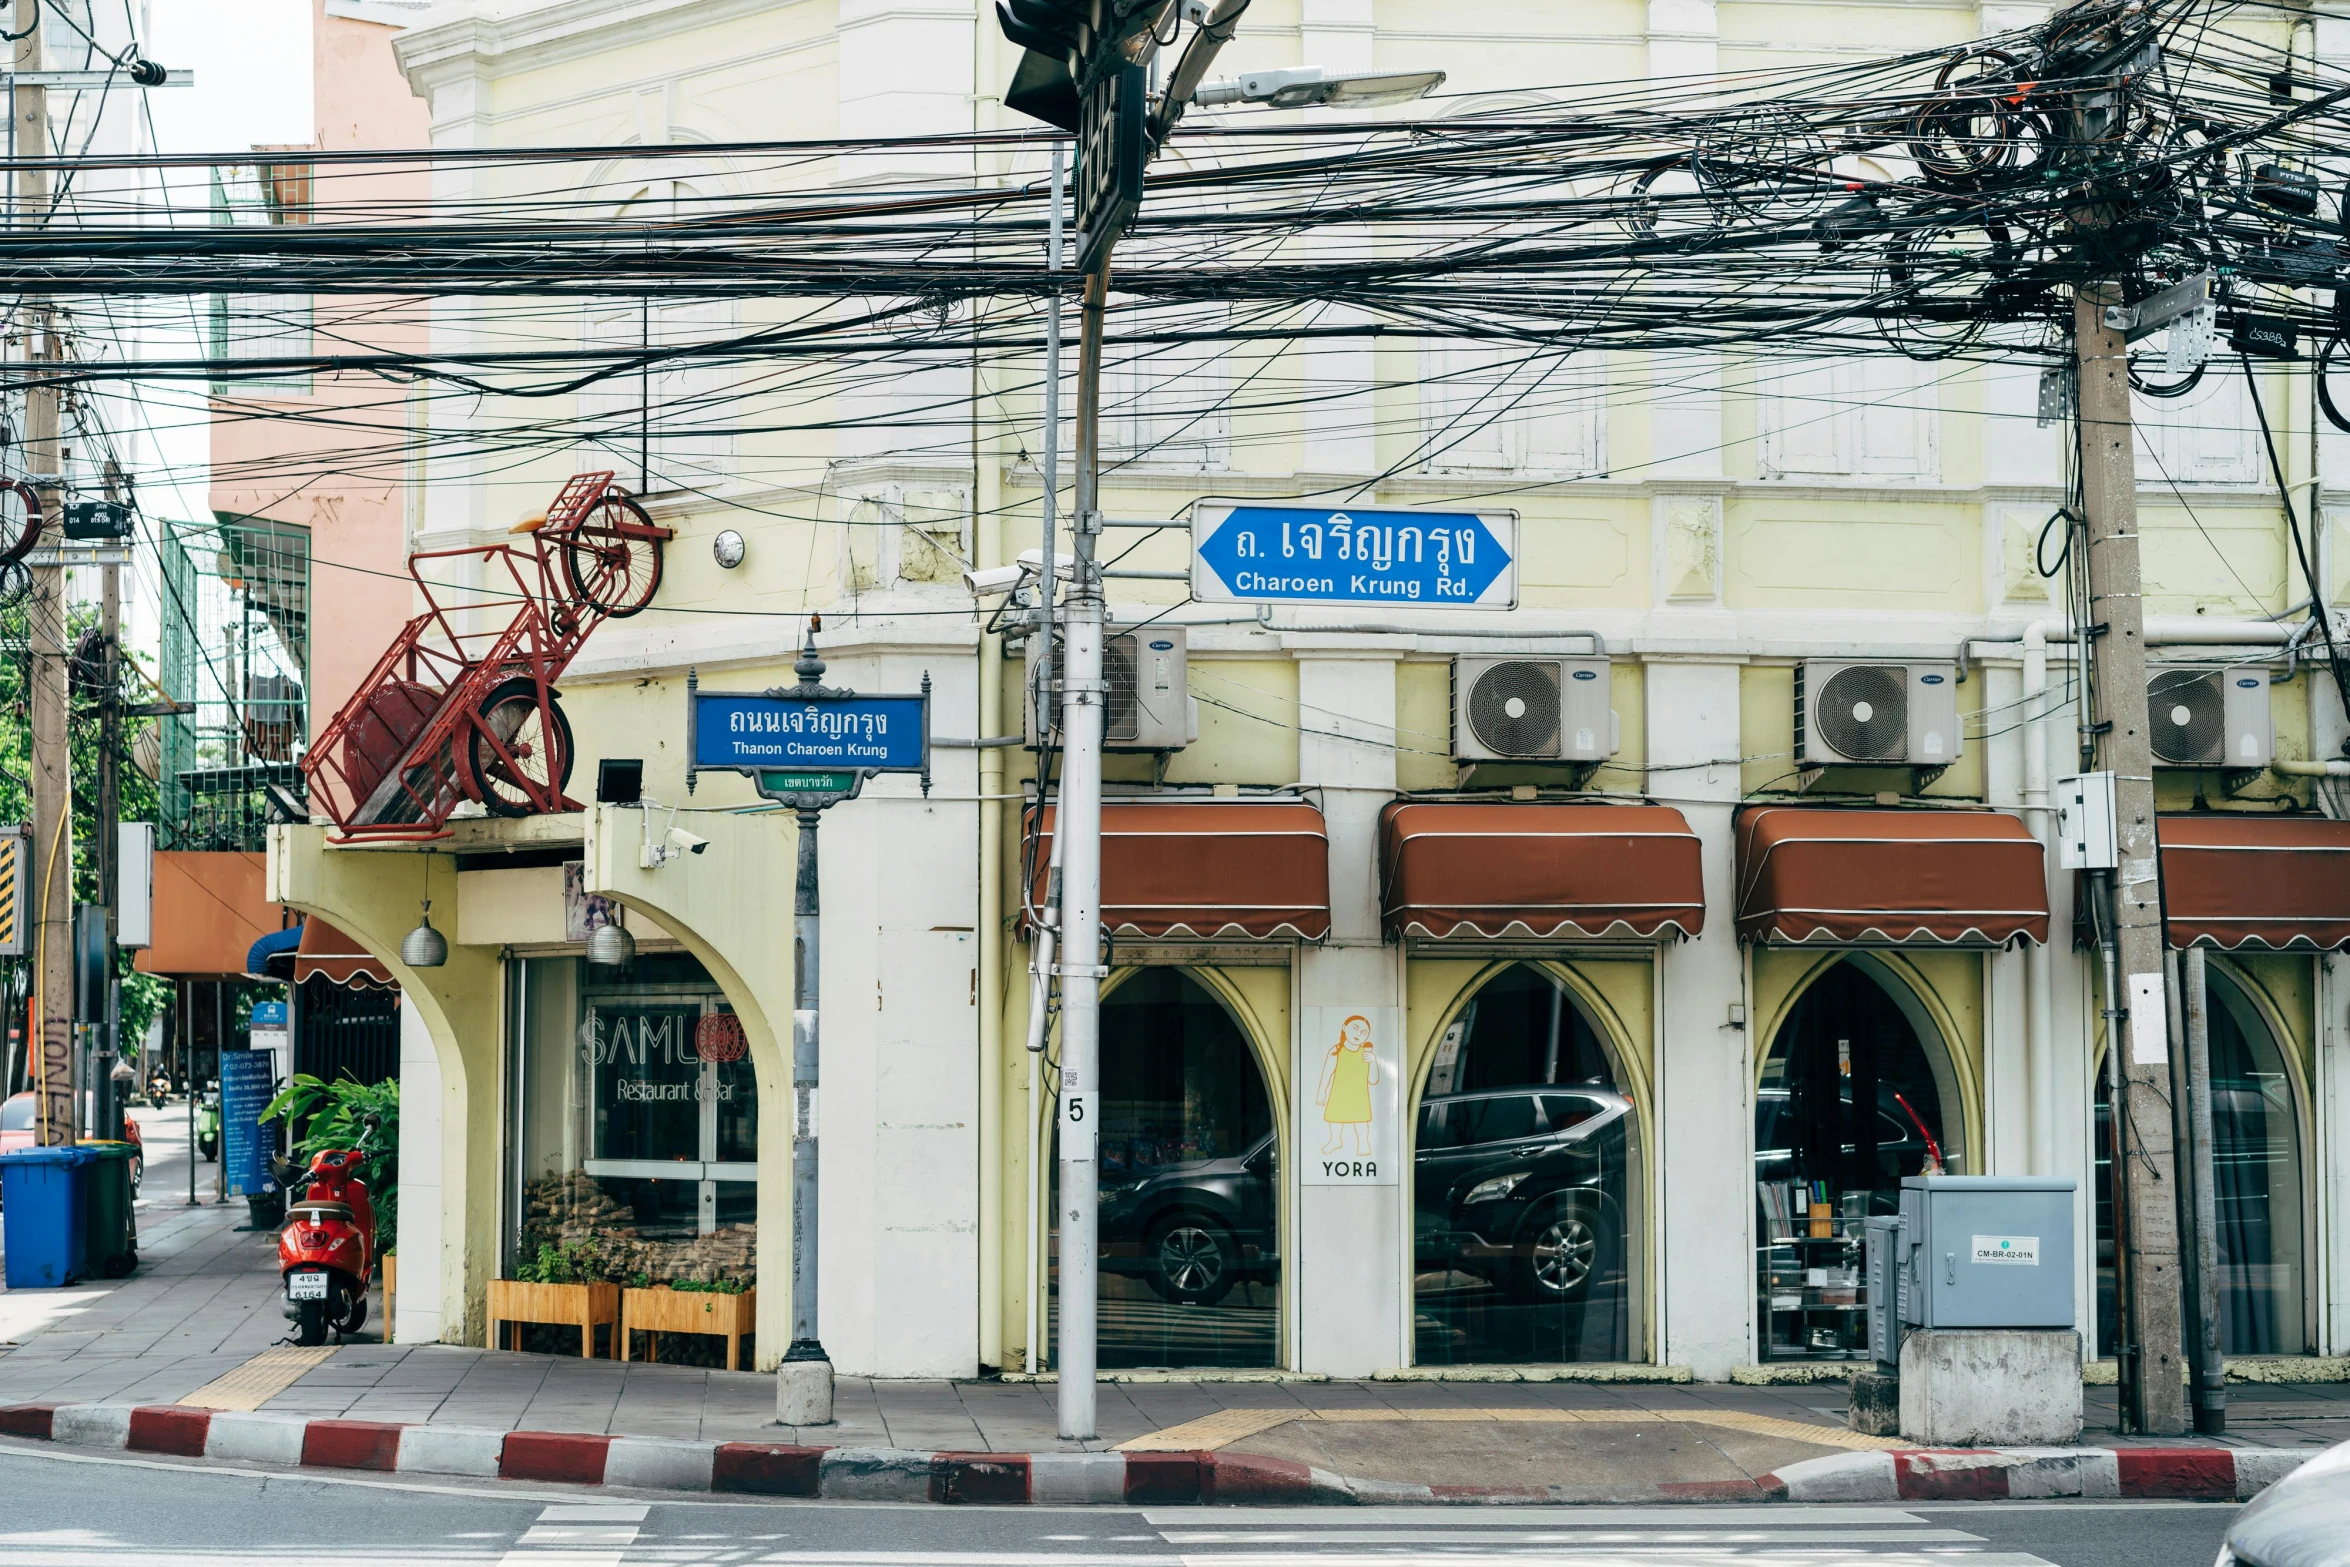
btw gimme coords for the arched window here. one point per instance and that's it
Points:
(2256, 1185)
(1525, 1185)
(1190, 1205)
(1853, 1098)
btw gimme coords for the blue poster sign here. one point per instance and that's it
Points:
(1400, 557)
(247, 1084)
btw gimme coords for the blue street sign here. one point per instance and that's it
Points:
(1277, 553)
(749, 731)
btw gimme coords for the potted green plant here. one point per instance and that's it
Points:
(563, 1286)
(728, 1307)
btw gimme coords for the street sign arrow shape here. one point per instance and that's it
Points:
(1287, 554)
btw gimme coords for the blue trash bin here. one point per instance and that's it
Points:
(41, 1208)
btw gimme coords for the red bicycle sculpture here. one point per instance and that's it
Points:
(460, 709)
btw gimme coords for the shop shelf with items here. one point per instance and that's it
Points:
(1809, 1258)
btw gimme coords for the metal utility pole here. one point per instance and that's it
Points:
(2210, 1379)
(52, 766)
(2136, 1034)
(112, 1099)
(804, 1381)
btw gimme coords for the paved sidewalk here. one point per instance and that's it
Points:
(204, 1303)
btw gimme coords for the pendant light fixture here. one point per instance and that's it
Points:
(424, 947)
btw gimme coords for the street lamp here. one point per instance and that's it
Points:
(1310, 86)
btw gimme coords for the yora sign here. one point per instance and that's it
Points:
(808, 744)
(1247, 552)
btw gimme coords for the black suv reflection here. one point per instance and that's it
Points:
(1522, 1187)
(1193, 1229)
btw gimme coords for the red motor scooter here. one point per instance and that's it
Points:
(326, 1253)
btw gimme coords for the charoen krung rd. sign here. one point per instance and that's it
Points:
(1254, 552)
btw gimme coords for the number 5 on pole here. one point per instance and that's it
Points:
(1076, 1127)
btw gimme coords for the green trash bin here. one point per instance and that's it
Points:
(110, 1236)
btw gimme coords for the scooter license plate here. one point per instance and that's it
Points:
(305, 1286)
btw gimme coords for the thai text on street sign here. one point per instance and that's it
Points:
(1250, 552)
(807, 744)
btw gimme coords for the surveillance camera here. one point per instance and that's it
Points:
(986, 581)
(685, 842)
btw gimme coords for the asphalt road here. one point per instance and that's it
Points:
(85, 1511)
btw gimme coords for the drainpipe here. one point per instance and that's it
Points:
(2039, 959)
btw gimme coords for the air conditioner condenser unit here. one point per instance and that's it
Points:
(1147, 703)
(1532, 710)
(2210, 718)
(1876, 715)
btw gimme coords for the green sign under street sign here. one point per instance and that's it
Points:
(807, 783)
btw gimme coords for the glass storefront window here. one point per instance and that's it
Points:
(1851, 1101)
(1189, 1182)
(637, 1120)
(2256, 1185)
(1525, 1191)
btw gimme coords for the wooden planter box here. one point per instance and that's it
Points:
(664, 1310)
(581, 1306)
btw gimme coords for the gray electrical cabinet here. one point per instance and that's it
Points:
(1882, 1281)
(1986, 1251)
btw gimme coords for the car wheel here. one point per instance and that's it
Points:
(1193, 1261)
(1561, 1249)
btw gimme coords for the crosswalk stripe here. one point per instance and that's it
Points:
(1597, 1516)
(578, 1534)
(1222, 1427)
(1592, 1537)
(1632, 1556)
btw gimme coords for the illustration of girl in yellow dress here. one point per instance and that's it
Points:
(1345, 1095)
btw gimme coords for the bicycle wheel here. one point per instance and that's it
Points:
(609, 566)
(517, 753)
(20, 519)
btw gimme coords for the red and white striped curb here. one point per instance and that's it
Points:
(889, 1474)
(2200, 1474)
(874, 1474)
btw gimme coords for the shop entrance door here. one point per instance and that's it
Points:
(1851, 1101)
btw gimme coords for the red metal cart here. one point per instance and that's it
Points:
(463, 707)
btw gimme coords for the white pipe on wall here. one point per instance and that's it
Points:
(2039, 960)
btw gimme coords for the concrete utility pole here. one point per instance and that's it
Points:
(52, 766)
(1079, 826)
(2136, 1033)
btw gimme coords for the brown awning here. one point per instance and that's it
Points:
(1947, 878)
(1208, 868)
(2275, 882)
(326, 950)
(1539, 871)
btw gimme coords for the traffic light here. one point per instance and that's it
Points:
(1069, 43)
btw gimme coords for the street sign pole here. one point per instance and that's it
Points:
(1080, 817)
(1085, 70)
(807, 746)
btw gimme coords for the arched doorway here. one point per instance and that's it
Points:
(1189, 1178)
(2256, 1184)
(1525, 1185)
(1854, 1096)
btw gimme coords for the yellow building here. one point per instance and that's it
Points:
(1639, 1041)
